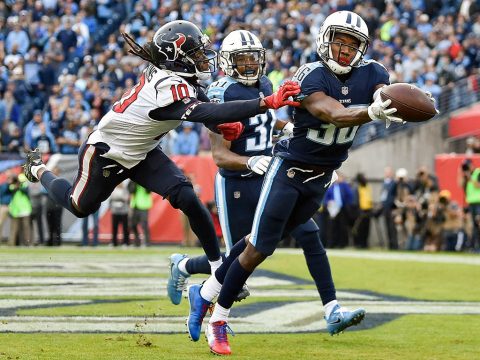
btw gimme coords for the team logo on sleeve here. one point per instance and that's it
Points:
(171, 47)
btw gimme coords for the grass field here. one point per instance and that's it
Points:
(71, 303)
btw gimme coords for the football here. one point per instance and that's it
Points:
(412, 104)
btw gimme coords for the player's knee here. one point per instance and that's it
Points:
(183, 197)
(310, 242)
(84, 210)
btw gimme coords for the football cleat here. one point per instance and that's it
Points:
(217, 337)
(341, 318)
(177, 281)
(198, 309)
(243, 294)
(34, 158)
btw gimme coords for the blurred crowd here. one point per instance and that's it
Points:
(412, 212)
(28, 208)
(63, 63)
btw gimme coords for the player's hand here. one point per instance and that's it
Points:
(379, 110)
(432, 99)
(231, 131)
(280, 98)
(259, 164)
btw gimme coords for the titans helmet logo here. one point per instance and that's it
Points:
(170, 47)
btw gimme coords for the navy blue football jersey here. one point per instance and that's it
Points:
(321, 143)
(256, 138)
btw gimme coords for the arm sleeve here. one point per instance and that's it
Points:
(210, 114)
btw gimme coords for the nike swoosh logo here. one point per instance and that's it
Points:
(338, 321)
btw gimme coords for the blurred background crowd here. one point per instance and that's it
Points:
(64, 63)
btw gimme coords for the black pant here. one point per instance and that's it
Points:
(117, 220)
(361, 229)
(54, 222)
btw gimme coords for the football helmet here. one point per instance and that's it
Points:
(180, 46)
(345, 22)
(242, 49)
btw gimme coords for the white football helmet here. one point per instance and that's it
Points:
(242, 42)
(345, 22)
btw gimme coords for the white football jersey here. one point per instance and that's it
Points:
(128, 129)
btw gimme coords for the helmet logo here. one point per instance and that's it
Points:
(170, 48)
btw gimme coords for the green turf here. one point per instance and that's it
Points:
(410, 337)
(416, 280)
(137, 307)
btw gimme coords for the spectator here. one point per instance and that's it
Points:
(69, 141)
(54, 218)
(339, 203)
(34, 130)
(387, 198)
(17, 37)
(5, 198)
(119, 204)
(140, 203)
(453, 234)
(20, 210)
(472, 194)
(187, 140)
(44, 141)
(35, 194)
(364, 202)
(86, 229)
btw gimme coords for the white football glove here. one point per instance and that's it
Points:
(288, 129)
(379, 110)
(432, 99)
(259, 164)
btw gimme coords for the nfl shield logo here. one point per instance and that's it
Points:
(344, 90)
(106, 173)
(236, 194)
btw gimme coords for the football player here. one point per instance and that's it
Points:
(242, 164)
(336, 92)
(125, 145)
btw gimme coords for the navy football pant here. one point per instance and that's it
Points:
(236, 200)
(97, 177)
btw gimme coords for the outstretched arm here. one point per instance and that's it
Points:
(332, 111)
(212, 114)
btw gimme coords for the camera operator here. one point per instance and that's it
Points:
(20, 210)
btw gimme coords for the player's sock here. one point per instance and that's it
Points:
(329, 307)
(34, 169)
(236, 277)
(210, 289)
(197, 265)
(318, 265)
(59, 190)
(219, 314)
(214, 265)
(236, 250)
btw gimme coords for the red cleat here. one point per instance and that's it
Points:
(217, 338)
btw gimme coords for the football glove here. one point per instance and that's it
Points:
(280, 98)
(231, 131)
(288, 129)
(259, 164)
(432, 99)
(379, 110)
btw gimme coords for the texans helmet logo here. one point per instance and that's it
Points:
(171, 47)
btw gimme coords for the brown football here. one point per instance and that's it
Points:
(412, 104)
